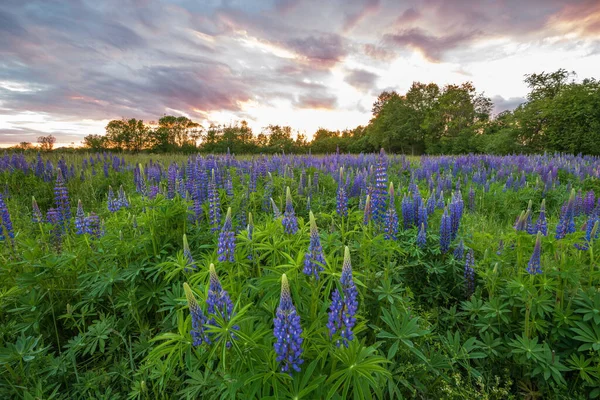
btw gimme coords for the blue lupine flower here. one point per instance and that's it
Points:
(367, 211)
(92, 225)
(379, 192)
(36, 214)
(440, 203)
(113, 204)
(422, 237)
(591, 233)
(534, 264)
(61, 199)
(287, 331)
(187, 253)
(445, 232)
(471, 199)
(470, 272)
(219, 302)
(542, 225)
(122, 199)
(80, 219)
(342, 198)
(314, 258)
(197, 333)
(566, 223)
(422, 215)
(342, 311)
(56, 232)
(171, 179)
(391, 217)
(529, 226)
(589, 202)
(459, 252)
(289, 221)
(430, 205)
(214, 204)
(6, 227)
(408, 216)
(226, 248)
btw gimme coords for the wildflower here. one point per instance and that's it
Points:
(214, 203)
(122, 199)
(391, 217)
(470, 272)
(367, 211)
(92, 225)
(79, 219)
(36, 214)
(422, 237)
(344, 305)
(459, 252)
(289, 221)
(342, 198)
(198, 318)
(445, 232)
(408, 216)
(276, 212)
(534, 264)
(591, 232)
(226, 247)
(287, 331)
(314, 258)
(218, 300)
(6, 227)
(61, 199)
(188, 254)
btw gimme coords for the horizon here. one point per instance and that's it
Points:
(68, 70)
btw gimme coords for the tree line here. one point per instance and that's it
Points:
(559, 114)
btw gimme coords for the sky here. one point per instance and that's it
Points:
(67, 67)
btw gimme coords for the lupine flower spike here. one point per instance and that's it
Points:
(188, 254)
(219, 302)
(534, 265)
(287, 331)
(314, 258)
(80, 219)
(36, 214)
(470, 272)
(289, 221)
(422, 237)
(342, 311)
(226, 247)
(198, 334)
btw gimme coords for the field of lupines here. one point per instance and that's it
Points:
(306, 277)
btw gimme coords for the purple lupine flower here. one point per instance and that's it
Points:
(289, 221)
(391, 217)
(214, 204)
(6, 227)
(430, 205)
(56, 233)
(542, 225)
(226, 248)
(379, 192)
(197, 333)
(314, 258)
(459, 252)
(61, 199)
(80, 219)
(342, 197)
(578, 207)
(591, 233)
(422, 237)
(287, 331)
(566, 223)
(218, 300)
(113, 204)
(36, 214)
(471, 199)
(534, 264)
(445, 232)
(589, 202)
(367, 211)
(408, 216)
(92, 225)
(456, 212)
(187, 253)
(171, 179)
(122, 198)
(470, 273)
(422, 215)
(529, 226)
(344, 305)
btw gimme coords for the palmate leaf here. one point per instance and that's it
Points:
(589, 306)
(402, 330)
(589, 334)
(359, 372)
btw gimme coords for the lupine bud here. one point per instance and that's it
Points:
(314, 258)
(534, 265)
(198, 319)
(226, 248)
(187, 253)
(344, 305)
(36, 214)
(470, 273)
(289, 221)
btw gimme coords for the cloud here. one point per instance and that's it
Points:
(501, 104)
(317, 101)
(362, 80)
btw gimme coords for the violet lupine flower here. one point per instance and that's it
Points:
(470, 272)
(408, 216)
(566, 223)
(36, 214)
(529, 226)
(197, 333)
(541, 224)
(187, 253)
(459, 252)
(430, 205)
(440, 202)
(276, 212)
(591, 233)
(56, 233)
(534, 264)
(219, 302)
(589, 202)
(92, 225)
(287, 331)
(61, 199)
(445, 232)
(391, 217)
(379, 192)
(289, 221)
(80, 219)
(456, 212)
(226, 247)
(113, 204)
(578, 208)
(314, 258)
(6, 227)
(367, 211)
(342, 311)
(471, 199)
(422, 237)
(214, 204)
(422, 215)
(171, 179)
(122, 199)
(342, 197)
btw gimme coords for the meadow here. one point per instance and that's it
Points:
(339, 276)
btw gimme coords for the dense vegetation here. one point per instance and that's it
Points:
(222, 277)
(559, 114)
